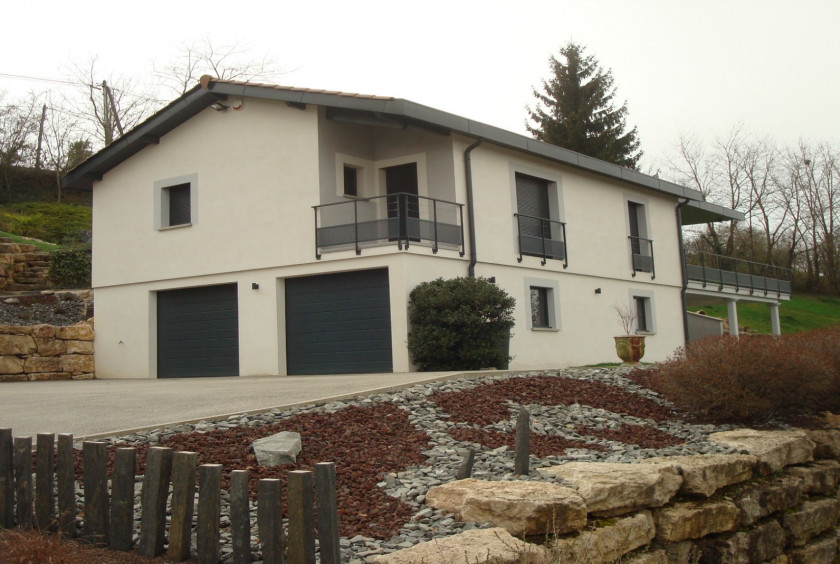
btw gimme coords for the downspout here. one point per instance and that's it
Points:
(683, 270)
(470, 207)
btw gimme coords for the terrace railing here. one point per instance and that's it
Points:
(404, 219)
(541, 237)
(641, 254)
(721, 271)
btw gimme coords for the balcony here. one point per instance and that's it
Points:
(737, 274)
(402, 219)
(541, 237)
(641, 254)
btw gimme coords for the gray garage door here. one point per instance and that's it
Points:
(338, 323)
(198, 332)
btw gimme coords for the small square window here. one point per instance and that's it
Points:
(351, 181)
(540, 318)
(176, 205)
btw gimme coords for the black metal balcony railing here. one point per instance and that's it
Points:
(718, 270)
(401, 218)
(541, 237)
(641, 251)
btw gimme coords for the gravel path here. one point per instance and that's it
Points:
(391, 448)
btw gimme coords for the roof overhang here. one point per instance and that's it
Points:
(706, 212)
(383, 109)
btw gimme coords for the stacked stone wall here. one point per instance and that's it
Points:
(776, 501)
(46, 352)
(22, 267)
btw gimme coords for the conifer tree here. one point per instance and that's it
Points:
(575, 110)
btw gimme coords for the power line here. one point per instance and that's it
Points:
(40, 79)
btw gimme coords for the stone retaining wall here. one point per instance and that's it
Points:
(46, 352)
(22, 267)
(773, 502)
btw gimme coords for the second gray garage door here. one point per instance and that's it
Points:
(339, 323)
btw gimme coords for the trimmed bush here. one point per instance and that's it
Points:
(459, 324)
(70, 267)
(55, 223)
(751, 379)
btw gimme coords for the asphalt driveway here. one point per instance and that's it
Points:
(91, 408)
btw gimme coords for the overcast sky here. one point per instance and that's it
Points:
(682, 65)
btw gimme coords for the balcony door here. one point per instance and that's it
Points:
(533, 207)
(403, 203)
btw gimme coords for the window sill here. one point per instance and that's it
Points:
(170, 227)
(645, 333)
(545, 329)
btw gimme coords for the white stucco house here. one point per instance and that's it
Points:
(250, 229)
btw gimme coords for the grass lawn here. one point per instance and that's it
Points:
(802, 313)
(42, 245)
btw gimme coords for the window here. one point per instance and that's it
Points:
(351, 181)
(539, 307)
(178, 200)
(175, 202)
(542, 298)
(644, 314)
(539, 232)
(641, 246)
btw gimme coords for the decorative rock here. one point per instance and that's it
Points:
(613, 488)
(79, 347)
(811, 519)
(16, 344)
(77, 363)
(79, 332)
(766, 541)
(50, 347)
(821, 477)
(820, 551)
(678, 552)
(608, 543)
(774, 449)
(521, 507)
(479, 546)
(655, 557)
(827, 442)
(705, 474)
(42, 364)
(277, 449)
(684, 521)
(761, 500)
(43, 331)
(11, 365)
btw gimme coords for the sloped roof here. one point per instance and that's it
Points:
(211, 90)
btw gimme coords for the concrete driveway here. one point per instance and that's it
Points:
(97, 408)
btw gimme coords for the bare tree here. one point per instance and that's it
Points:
(18, 135)
(63, 146)
(228, 62)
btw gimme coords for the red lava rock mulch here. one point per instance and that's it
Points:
(640, 435)
(364, 442)
(487, 404)
(541, 445)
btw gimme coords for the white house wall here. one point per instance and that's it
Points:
(258, 173)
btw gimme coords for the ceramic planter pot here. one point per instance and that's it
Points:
(630, 348)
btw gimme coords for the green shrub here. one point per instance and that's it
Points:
(751, 379)
(56, 223)
(459, 324)
(70, 267)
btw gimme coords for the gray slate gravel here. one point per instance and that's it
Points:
(446, 454)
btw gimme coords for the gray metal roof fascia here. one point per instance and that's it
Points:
(437, 117)
(707, 212)
(165, 120)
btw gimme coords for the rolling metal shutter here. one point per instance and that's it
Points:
(339, 323)
(198, 332)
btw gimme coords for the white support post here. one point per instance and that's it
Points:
(732, 311)
(775, 324)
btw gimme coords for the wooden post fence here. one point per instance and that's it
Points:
(109, 513)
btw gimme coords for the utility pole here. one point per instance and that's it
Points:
(40, 137)
(108, 101)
